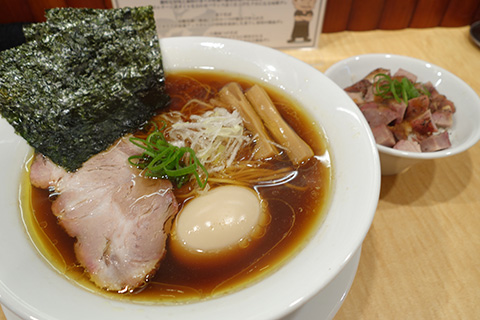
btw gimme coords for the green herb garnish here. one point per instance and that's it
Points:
(388, 88)
(164, 160)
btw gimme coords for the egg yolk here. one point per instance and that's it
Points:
(222, 218)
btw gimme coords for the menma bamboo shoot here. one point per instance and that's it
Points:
(232, 94)
(297, 150)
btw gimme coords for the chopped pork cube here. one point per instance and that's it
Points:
(442, 119)
(383, 135)
(436, 142)
(402, 73)
(423, 125)
(357, 97)
(360, 86)
(447, 105)
(401, 131)
(407, 145)
(369, 95)
(417, 106)
(369, 105)
(372, 74)
(398, 108)
(380, 115)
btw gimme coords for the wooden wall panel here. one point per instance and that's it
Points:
(340, 15)
(459, 13)
(97, 4)
(365, 14)
(397, 14)
(429, 13)
(15, 11)
(34, 10)
(336, 15)
(38, 7)
(476, 17)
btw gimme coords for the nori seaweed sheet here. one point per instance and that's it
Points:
(83, 79)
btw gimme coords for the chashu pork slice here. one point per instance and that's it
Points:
(117, 217)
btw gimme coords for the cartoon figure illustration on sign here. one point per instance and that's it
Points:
(303, 15)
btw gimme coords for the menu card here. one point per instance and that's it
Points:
(273, 23)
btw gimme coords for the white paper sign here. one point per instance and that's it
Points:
(273, 23)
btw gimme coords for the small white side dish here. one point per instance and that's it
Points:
(31, 289)
(466, 129)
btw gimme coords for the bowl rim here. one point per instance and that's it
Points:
(369, 201)
(474, 138)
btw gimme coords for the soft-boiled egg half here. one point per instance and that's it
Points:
(223, 221)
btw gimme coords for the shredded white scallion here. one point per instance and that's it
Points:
(216, 136)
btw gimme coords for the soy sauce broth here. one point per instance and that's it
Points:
(292, 223)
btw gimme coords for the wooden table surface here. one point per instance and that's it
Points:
(421, 257)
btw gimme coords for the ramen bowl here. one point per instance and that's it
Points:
(465, 131)
(30, 288)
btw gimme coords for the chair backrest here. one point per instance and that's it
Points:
(362, 15)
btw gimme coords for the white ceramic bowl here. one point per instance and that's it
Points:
(465, 131)
(32, 289)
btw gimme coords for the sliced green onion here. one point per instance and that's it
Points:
(388, 88)
(164, 160)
